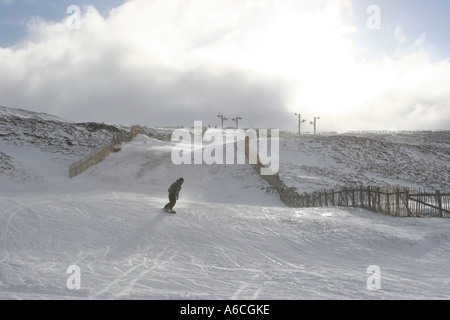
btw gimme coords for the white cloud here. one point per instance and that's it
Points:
(170, 62)
(142, 62)
(420, 41)
(400, 35)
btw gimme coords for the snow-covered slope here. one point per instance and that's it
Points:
(35, 147)
(126, 248)
(416, 159)
(231, 239)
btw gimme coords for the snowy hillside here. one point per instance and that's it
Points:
(416, 159)
(231, 238)
(36, 147)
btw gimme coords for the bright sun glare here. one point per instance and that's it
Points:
(309, 48)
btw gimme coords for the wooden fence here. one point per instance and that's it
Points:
(395, 201)
(101, 153)
(91, 159)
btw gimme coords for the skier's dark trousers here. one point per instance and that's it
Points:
(174, 192)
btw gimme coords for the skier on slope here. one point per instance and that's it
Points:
(174, 192)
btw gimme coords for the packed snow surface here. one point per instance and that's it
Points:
(232, 238)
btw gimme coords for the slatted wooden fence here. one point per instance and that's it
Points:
(101, 153)
(395, 201)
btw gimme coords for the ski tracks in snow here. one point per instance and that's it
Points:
(124, 286)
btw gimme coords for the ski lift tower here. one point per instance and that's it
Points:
(222, 118)
(300, 121)
(315, 124)
(237, 121)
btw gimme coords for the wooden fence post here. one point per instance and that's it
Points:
(378, 200)
(406, 201)
(361, 196)
(388, 203)
(346, 197)
(439, 201)
(353, 197)
(397, 202)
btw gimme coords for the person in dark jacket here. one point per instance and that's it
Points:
(174, 193)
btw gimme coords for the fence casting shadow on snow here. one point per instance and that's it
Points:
(395, 201)
(101, 153)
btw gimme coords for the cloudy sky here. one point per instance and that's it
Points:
(356, 64)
